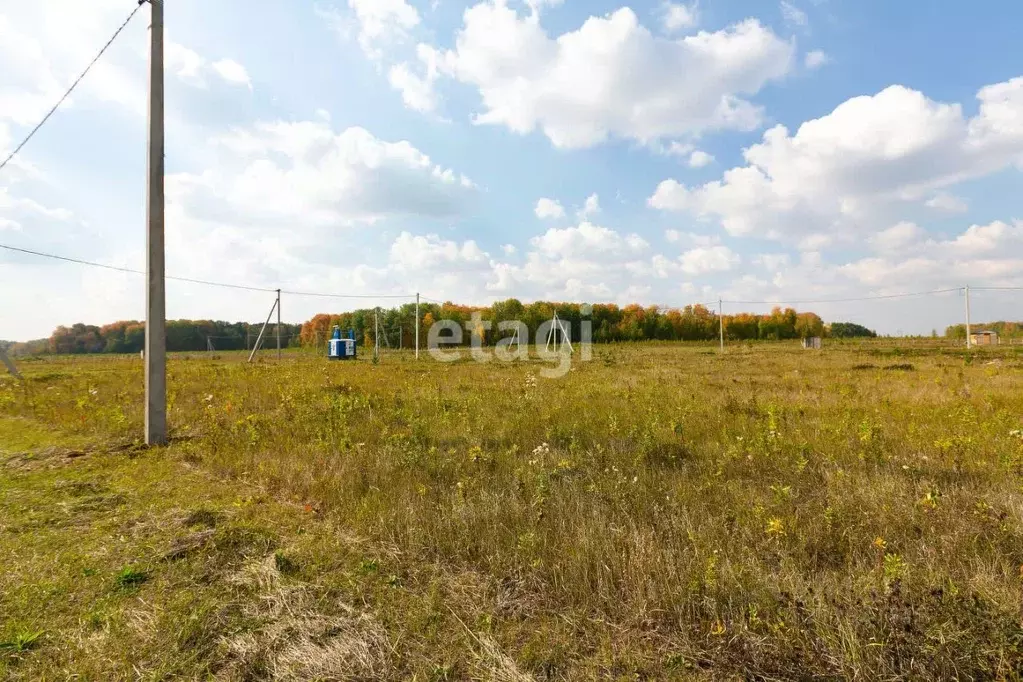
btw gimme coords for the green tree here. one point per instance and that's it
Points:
(849, 330)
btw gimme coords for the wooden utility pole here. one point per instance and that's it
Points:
(156, 302)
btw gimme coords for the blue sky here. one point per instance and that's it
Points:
(652, 152)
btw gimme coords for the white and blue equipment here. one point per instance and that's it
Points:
(339, 348)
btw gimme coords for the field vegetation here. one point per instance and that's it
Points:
(664, 511)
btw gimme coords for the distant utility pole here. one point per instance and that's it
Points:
(156, 302)
(278, 325)
(259, 339)
(9, 364)
(376, 332)
(721, 326)
(417, 326)
(969, 342)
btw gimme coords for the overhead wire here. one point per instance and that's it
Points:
(326, 295)
(847, 300)
(132, 271)
(428, 299)
(226, 285)
(63, 97)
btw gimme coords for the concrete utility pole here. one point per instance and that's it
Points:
(156, 302)
(417, 326)
(259, 339)
(376, 332)
(9, 364)
(278, 325)
(721, 326)
(969, 342)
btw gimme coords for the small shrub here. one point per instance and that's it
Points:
(22, 641)
(284, 564)
(130, 578)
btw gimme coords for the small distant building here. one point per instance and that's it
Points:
(984, 338)
(812, 343)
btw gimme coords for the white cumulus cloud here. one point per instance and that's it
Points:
(872, 154)
(677, 17)
(381, 23)
(537, 5)
(897, 237)
(591, 207)
(185, 64)
(232, 72)
(699, 159)
(816, 59)
(412, 252)
(586, 238)
(706, 259)
(611, 77)
(305, 173)
(948, 203)
(548, 208)
(793, 15)
(193, 69)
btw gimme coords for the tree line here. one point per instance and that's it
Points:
(1005, 330)
(609, 323)
(396, 327)
(128, 336)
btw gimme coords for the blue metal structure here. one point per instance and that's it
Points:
(339, 348)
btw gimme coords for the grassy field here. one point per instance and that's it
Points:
(661, 512)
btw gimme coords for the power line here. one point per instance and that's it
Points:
(225, 285)
(73, 86)
(289, 292)
(132, 271)
(848, 300)
(323, 295)
(69, 260)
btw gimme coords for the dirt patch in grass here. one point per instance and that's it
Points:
(48, 457)
(204, 517)
(295, 639)
(900, 367)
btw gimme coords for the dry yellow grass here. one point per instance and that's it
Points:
(661, 511)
